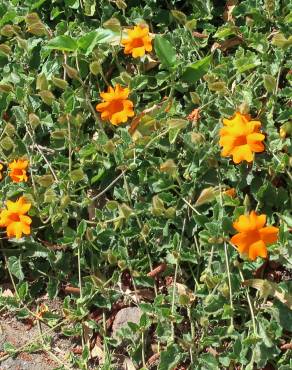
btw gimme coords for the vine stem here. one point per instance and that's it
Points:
(87, 96)
(193, 208)
(226, 258)
(141, 228)
(80, 291)
(69, 144)
(249, 304)
(79, 271)
(42, 154)
(109, 186)
(175, 277)
(193, 334)
(229, 283)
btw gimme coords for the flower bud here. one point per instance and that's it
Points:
(62, 84)
(197, 138)
(112, 259)
(286, 130)
(95, 68)
(71, 72)
(6, 88)
(37, 29)
(168, 167)
(47, 97)
(122, 264)
(32, 18)
(7, 30)
(5, 49)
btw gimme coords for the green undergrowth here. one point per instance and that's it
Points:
(112, 203)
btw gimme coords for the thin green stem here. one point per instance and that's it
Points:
(249, 304)
(175, 277)
(143, 349)
(69, 144)
(79, 270)
(226, 257)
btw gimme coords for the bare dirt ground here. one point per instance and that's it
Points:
(53, 353)
(18, 333)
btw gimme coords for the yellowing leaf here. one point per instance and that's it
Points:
(206, 196)
(268, 288)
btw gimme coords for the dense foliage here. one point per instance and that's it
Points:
(110, 203)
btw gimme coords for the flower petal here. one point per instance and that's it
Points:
(254, 141)
(25, 219)
(257, 249)
(269, 234)
(242, 153)
(138, 52)
(257, 222)
(241, 240)
(14, 230)
(243, 224)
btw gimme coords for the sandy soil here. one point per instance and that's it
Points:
(18, 333)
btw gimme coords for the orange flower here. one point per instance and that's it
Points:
(253, 237)
(41, 310)
(194, 116)
(230, 192)
(115, 106)
(14, 218)
(241, 138)
(138, 41)
(18, 170)
(1, 167)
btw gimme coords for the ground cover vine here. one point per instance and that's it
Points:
(145, 158)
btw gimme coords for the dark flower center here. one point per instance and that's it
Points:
(137, 43)
(14, 217)
(240, 140)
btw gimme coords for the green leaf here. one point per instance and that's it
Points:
(87, 43)
(280, 40)
(81, 228)
(37, 4)
(22, 290)
(52, 288)
(245, 61)
(172, 134)
(287, 219)
(19, 114)
(63, 43)
(169, 358)
(9, 348)
(268, 288)
(165, 52)
(77, 175)
(196, 70)
(15, 267)
(269, 83)
(8, 17)
(89, 7)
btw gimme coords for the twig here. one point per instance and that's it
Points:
(71, 290)
(158, 270)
